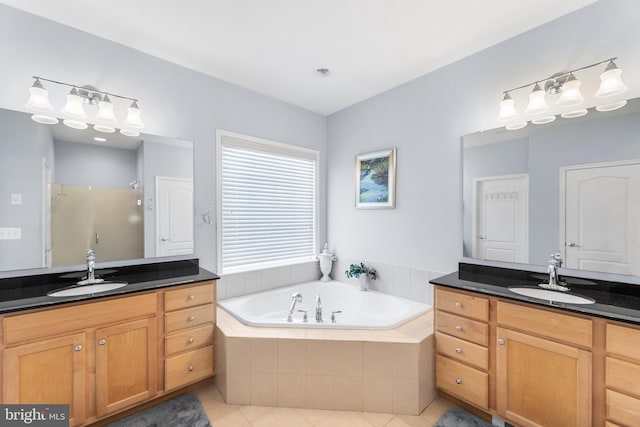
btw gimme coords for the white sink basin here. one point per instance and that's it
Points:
(555, 296)
(95, 288)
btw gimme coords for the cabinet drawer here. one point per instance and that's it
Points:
(188, 367)
(462, 381)
(624, 376)
(623, 341)
(188, 318)
(188, 297)
(461, 327)
(462, 350)
(46, 323)
(564, 327)
(462, 304)
(622, 408)
(188, 339)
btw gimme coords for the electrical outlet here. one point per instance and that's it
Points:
(10, 233)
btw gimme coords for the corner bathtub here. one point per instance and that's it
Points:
(359, 310)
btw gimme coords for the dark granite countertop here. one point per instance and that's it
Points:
(613, 300)
(26, 292)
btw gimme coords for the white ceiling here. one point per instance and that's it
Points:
(274, 46)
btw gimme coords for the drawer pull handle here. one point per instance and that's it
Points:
(458, 305)
(102, 342)
(459, 328)
(78, 348)
(458, 380)
(190, 341)
(191, 318)
(501, 341)
(458, 350)
(190, 297)
(191, 368)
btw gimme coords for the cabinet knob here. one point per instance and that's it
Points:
(458, 350)
(191, 318)
(190, 297)
(190, 368)
(458, 380)
(458, 305)
(501, 341)
(78, 348)
(190, 341)
(459, 328)
(102, 342)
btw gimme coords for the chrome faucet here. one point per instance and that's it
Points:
(295, 298)
(555, 262)
(91, 270)
(91, 266)
(318, 310)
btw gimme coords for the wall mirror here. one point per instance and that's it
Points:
(571, 186)
(62, 191)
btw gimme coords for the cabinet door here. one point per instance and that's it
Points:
(126, 358)
(48, 372)
(542, 383)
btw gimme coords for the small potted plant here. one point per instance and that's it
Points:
(362, 273)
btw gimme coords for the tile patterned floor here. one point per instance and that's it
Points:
(223, 415)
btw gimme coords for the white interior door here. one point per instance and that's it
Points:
(602, 207)
(174, 216)
(501, 224)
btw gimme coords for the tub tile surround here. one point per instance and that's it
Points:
(410, 283)
(388, 371)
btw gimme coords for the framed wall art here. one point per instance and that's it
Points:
(376, 179)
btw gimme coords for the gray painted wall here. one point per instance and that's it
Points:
(95, 165)
(21, 153)
(175, 101)
(425, 119)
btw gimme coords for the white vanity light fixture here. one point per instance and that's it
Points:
(570, 102)
(39, 104)
(74, 112)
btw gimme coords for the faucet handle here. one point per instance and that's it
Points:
(333, 315)
(305, 318)
(555, 259)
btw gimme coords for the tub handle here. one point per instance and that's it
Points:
(305, 318)
(333, 315)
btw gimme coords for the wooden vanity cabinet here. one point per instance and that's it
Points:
(106, 356)
(622, 374)
(530, 366)
(462, 339)
(543, 360)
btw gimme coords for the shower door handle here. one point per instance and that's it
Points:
(97, 238)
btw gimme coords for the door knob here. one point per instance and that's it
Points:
(164, 239)
(573, 245)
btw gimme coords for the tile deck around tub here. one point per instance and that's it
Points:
(382, 371)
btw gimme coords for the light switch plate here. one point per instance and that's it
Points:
(10, 233)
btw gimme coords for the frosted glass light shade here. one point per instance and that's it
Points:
(134, 119)
(74, 108)
(39, 100)
(574, 114)
(611, 82)
(537, 103)
(44, 119)
(571, 94)
(507, 109)
(129, 132)
(612, 106)
(76, 124)
(515, 126)
(105, 112)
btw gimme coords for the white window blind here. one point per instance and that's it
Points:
(267, 204)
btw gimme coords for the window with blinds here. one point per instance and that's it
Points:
(266, 203)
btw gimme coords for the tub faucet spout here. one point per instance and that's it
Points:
(318, 309)
(295, 298)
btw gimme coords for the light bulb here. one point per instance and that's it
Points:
(537, 103)
(507, 109)
(134, 119)
(74, 108)
(611, 81)
(571, 95)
